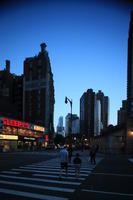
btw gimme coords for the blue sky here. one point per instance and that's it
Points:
(87, 45)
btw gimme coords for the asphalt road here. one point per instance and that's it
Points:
(34, 175)
(16, 159)
(112, 179)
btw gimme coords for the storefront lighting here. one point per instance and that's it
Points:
(38, 128)
(8, 137)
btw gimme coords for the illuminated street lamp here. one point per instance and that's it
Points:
(131, 132)
(70, 127)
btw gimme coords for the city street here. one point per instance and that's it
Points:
(35, 175)
(16, 159)
(111, 179)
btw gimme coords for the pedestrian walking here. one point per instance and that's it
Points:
(63, 161)
(93, 152)
(77, 164)
(70, 153)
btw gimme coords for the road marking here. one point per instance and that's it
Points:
(47, 169)
(31, 195)
(55, 167)
(58, 167)
(112, 174)
(41, 180)
(48, 172)
(38, 186)
(9, 172)
(54, 176)
(110, 193)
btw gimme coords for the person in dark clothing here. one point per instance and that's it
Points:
(70, 153)
(77, 164)
(93, 152)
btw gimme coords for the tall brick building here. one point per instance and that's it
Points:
(38, 91)
(11, 93)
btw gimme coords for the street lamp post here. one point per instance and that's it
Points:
(70, 128)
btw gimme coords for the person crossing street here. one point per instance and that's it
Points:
(63, 161)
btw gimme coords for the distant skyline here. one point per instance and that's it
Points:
(87, 42)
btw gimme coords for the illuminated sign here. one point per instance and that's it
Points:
(38, 128)
(46, 137)
(28, 138)
(8, 137)
(11, 122)
(6, 122)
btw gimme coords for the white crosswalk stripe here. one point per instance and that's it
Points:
(57, 176)
(58, 166)
(49, 172)
(55, 169)
(41, 181)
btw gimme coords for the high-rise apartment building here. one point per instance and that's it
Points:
(104, 108)
(38, 91)
(60, 121)
(130, 72)
(97, 117)
(122, 114)
(87, 113)
(93, 113)
(60, 128)
(129, 119)
(75, 124)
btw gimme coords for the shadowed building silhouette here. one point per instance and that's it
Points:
(38, 104)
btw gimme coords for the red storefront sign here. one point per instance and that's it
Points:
(15, 123)
(46, 137)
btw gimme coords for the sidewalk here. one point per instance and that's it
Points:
(111, 179)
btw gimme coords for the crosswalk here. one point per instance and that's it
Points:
(41, 181)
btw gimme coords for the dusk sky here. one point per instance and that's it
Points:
(86, 40)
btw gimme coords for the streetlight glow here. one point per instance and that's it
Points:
(131, 132)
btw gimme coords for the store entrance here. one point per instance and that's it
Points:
(27, 145)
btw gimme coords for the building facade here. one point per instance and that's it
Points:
(97, 117)
(38, 91)
(129, 134)
(122, 114)
(130, 71)
(104, 100)
(60, 128)
(11, 93)
(19, 135)
(75, 124)
(87, 102)
(93, 113)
